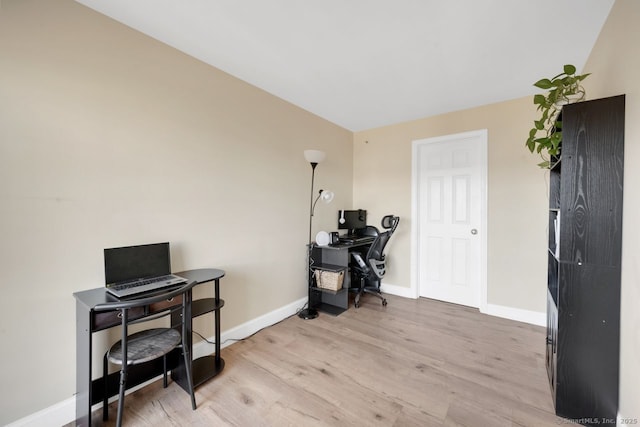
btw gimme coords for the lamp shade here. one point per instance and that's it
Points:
(326, 196)
(314, 156)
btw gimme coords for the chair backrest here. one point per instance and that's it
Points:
(390, 222)
(375, 255)
(369, 230)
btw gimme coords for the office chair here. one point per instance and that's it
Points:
(371, 267)
(149, 344)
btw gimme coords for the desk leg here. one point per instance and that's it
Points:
(180, 373)
(83, 366)
(218, 359)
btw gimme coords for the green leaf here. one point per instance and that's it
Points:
(543, 84)
(539, 124)
(543, 143)
(569, 69)
(531, 145)
(545, 165)
(539, 99)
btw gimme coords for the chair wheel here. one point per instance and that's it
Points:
(384, 302)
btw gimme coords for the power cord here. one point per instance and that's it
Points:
(249, 336)
(302, 308)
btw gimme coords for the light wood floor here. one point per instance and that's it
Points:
(413, 363)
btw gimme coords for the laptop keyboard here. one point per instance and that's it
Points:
(128, 285)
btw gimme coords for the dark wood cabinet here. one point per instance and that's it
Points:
(585, 240)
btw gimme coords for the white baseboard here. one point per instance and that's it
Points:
(400, 291)
(517, 314)
(55, 415)
(65, 412)
(527, 316)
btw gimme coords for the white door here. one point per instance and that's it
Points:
(450, 181)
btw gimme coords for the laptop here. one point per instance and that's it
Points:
(136, 270)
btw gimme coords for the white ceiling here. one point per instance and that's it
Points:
(367, 63)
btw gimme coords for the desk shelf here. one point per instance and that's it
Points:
(328, 267)
(330, 291)
(205, 305)
(204, 368)
(330, 309)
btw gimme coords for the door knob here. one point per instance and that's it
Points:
(474, 231)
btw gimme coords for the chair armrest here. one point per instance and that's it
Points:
(378, 266)
(361, 265)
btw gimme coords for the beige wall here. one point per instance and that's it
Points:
(517, 200)
(100, 128)
(615, 67)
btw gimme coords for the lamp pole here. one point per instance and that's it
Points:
(313, 173)
(310, 313)
(313, 157)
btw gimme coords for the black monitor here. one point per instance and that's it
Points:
(352, 220)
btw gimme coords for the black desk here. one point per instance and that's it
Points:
(333, 258)
(88, 321)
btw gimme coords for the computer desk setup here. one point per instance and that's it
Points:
(336, 259)
(91, 318)
(340, 256)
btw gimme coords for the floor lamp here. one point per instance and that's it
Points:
(313, 157)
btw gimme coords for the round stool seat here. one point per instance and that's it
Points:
(145, 345)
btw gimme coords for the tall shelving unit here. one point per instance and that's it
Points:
(584, 253)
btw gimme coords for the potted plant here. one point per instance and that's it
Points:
(545, 138)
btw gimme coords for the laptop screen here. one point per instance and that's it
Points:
(136, 262)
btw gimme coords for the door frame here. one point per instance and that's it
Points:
(482, 135)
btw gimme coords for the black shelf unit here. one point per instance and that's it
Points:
(584, 254)
(327, 300)
(332, 258)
